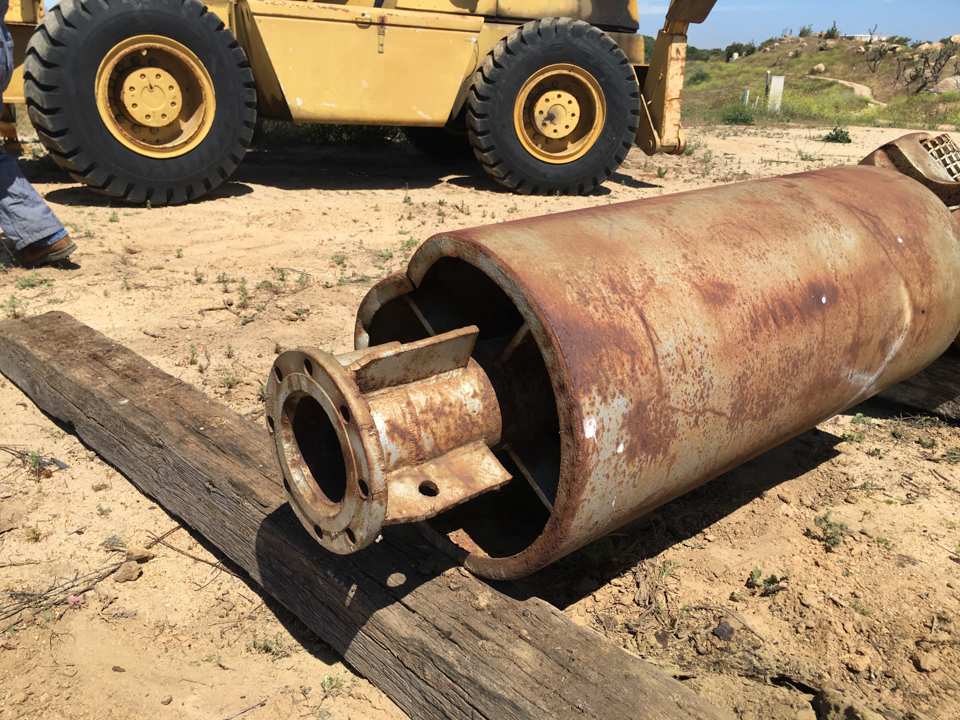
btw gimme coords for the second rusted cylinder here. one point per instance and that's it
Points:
(639, 350)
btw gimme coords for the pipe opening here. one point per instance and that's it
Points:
(455, 294)
(312, 448)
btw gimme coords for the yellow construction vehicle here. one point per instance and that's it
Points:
(157, 100)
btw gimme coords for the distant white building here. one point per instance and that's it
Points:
(868, 38)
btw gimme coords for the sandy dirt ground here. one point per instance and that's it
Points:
(830, 561)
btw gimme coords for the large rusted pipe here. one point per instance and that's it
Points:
(635, 351)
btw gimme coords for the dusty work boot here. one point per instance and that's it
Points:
(39, 253)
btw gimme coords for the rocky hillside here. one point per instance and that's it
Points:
(845, 81)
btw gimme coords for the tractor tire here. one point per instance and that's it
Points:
(147, 101)
(554, 108)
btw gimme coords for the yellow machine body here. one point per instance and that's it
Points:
(407, 62)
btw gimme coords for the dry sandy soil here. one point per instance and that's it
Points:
(737, 588)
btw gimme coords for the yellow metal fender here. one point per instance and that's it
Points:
(367, 65)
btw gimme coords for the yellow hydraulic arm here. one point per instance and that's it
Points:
(662, 82)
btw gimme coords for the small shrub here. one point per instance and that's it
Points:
(331, 686)
(833, 32)
(30, 281)
(766, 586)
(243, 301)
(13, 308)
(698, 77)
(738, 115)
(838, 135)
(806, 31)
(275, 646)
(831, 532)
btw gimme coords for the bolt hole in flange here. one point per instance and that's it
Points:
(308, 366)
(428, 488)
(344, 413)
(350, 536)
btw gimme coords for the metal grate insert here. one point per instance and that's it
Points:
(944, 150)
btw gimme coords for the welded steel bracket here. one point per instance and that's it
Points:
(394, 434)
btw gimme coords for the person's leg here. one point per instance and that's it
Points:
(24, 216)
(26, 220)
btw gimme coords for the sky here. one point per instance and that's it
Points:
(739, 21)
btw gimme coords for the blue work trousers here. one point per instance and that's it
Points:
(25, 217)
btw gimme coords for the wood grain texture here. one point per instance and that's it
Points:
(935, 390)
(441, 643)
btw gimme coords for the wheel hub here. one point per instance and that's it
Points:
(152, 97)
(556, 114)
(559, 113)
(155, 96)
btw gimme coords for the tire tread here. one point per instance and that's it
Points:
(44, 66)
(494, 68)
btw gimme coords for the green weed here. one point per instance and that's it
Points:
(14, 308)
(838, 135)
(831, 532)
(27, 282)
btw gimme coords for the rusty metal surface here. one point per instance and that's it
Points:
(684, 335)
(458, 476)
(396, 433)
(933, 160)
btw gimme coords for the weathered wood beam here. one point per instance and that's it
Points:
(440, 643)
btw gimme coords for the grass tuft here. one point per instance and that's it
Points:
(838, 135)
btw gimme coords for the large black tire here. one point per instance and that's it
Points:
(498, 81)
(61, 66)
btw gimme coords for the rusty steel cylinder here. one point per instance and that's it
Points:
(633, 352)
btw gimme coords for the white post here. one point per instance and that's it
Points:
(775, 93)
